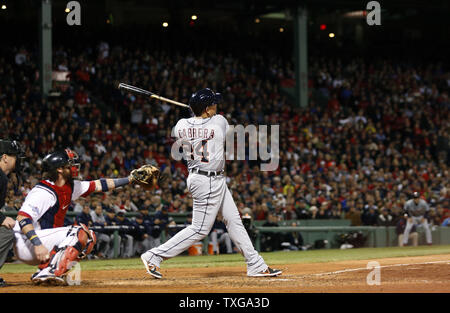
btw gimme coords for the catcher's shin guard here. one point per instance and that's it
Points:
(86, 241)
(81, 242)
(68, 258)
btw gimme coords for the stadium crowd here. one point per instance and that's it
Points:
(373, 132)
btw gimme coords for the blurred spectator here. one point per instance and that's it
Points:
(158, 224)
(324, 212)
(446, 222)
(247, 221)
(260, 212)
(442, 212)
(111, 220)
(292, 240)
(288, 212)
(354, 216)
(145, 214)
(433, 217)
(302, 210)
(219, 235)
(85, 216)
(369, 216)
(103, 239)
(78, 206)
(385, 218)
(171, 229)
(271, 241)
(141, 234)
(21, 56)
(175, 206)
(163, 216)
(127, 244)
(188, 220)
(246, 210)
(337, 212)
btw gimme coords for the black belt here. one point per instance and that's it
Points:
(206, 173)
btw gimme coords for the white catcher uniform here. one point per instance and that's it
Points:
(46, 205)
(203, 143)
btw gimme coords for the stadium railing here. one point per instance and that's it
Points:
(177, 217)
(311, 230)
(376, 236)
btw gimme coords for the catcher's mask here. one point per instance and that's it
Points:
(73, 162)
(59, 159)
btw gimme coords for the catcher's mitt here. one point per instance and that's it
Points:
(147, 176)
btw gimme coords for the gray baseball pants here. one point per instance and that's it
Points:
(416, 221)
(211, 196)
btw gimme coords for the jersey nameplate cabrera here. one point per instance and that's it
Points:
(196, 133)
(203, 142)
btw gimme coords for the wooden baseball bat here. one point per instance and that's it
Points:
(143, 92)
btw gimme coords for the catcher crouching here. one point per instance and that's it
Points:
(41, 238)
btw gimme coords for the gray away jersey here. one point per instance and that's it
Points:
(203, 141)
(416, 210)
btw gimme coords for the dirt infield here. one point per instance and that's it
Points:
(428, 274)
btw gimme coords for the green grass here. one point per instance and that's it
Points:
(272, 258)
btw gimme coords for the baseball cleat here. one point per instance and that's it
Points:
(37, 280)
(3, 283)
(56, 281)
(151, 269)
(49, 280)
(35, 274)
(269, 272)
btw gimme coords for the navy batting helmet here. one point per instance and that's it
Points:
(202, 99)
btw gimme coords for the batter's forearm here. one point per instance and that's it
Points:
(106, 184)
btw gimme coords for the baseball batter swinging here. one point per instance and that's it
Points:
(203, 138)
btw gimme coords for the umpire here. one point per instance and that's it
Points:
(10, 154)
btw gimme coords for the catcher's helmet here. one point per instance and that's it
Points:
(203, 98)
(59, 159)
